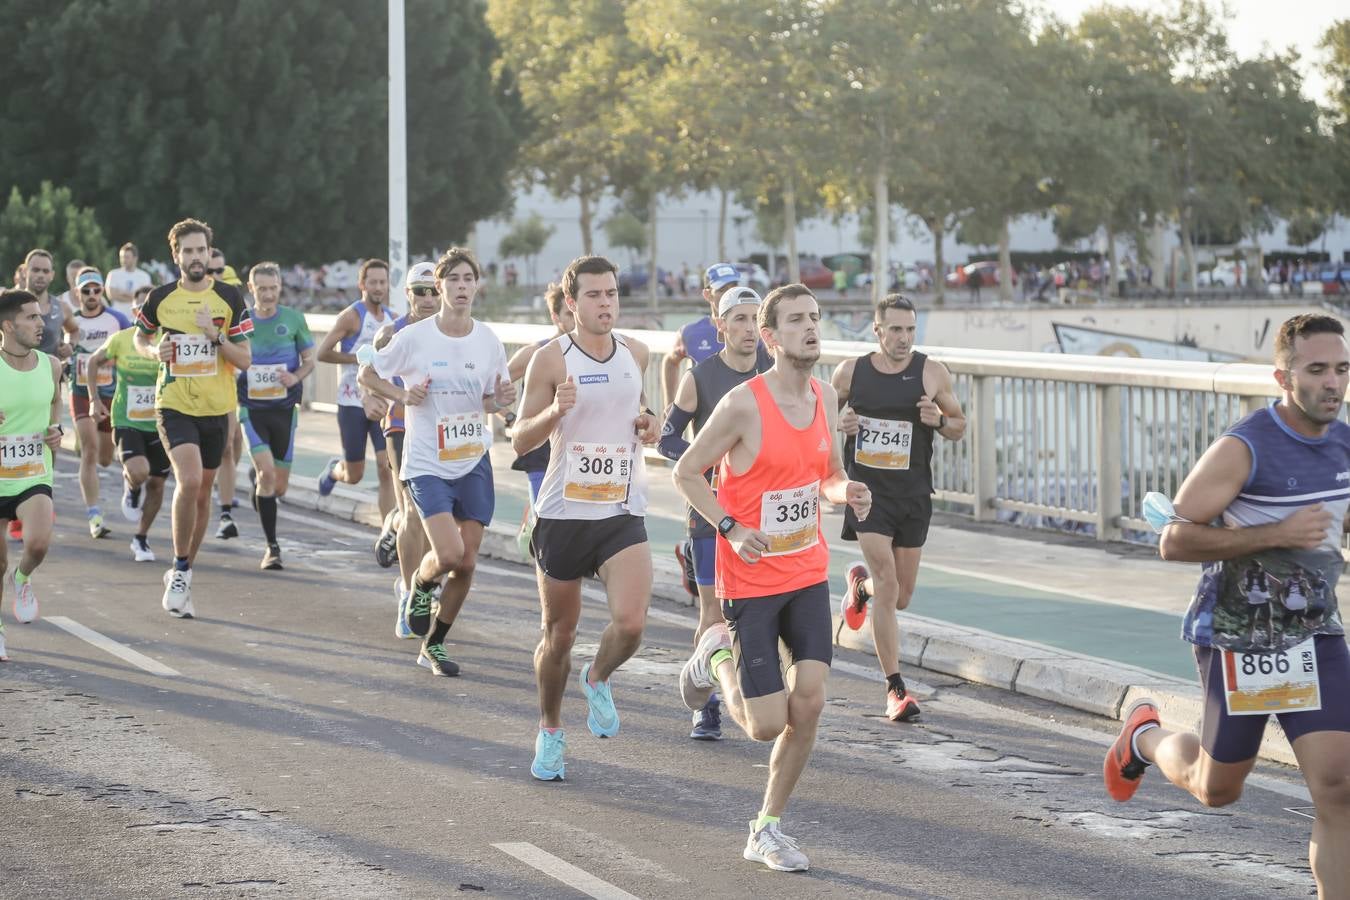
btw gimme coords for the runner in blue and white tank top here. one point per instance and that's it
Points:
(583, 392)
(1264, 511)
(359, 414)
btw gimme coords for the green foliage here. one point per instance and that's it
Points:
(50, 219)
(624, 229)
(526, 238)
(267, 120)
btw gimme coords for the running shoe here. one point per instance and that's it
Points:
(549, 748)
(855, 599)
(25, 601)
(326, 480)
(271, 560)
(15, 530)
(131, 502)
(178, 592)
(227, 527)
(140, 550)
(386, 545)
(684, 555)
(602, 718)
(708, 721)
(4, 657)
(434, 657)
(901, 707)
(401, 629)
(776, 850)
(419, 611)
(1121, 769)
(696, 681)
(96, 527)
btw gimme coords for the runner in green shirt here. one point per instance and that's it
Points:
(145, 462)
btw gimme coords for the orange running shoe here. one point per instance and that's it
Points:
(1122, 769)
(854, 605)
(901, 707)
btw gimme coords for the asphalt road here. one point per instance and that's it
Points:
(284, 743)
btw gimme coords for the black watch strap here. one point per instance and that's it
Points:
(725, 526)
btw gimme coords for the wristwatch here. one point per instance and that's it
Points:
(509, 419)
(220, 337)
(942, 421)
(724, 527)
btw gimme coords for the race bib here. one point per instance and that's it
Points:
(21, 456)
(1262, 683)
(264, 382)
(460, 436)
(102, 378)
(193, 356)
(141, 403)
(883, 443)
(598, 473)
(790, 519)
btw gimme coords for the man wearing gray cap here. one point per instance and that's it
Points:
(702, 387)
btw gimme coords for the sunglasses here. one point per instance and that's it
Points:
(220, 271)
(424, 292)
(91, 291)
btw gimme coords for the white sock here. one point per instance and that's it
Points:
(1134, 741)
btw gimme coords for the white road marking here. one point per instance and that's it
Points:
(107, 644)
(563, 871)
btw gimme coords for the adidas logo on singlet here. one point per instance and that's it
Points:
(824, 444)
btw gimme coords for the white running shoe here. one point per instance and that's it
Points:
(131, 502)
(25, 602)
(178, 592)
(141, 552)
(4, 657)
(775, 849)
(696, 681)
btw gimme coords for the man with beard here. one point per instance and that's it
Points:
(30, 404)
(773, 442)
(1279, 481)
(204, 327)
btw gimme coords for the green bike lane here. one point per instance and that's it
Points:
(1047, 607)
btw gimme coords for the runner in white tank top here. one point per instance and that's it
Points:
(583, 394)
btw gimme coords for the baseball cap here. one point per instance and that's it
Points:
(88, 278)
(735, 297)
(719, 275)
(423, 273)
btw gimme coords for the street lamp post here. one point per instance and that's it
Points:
(398, 157)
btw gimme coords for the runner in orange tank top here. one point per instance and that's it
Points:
(772, 439)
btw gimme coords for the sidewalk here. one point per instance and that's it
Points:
(1085, 625)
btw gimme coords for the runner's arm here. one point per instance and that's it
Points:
(672, 443)
(520, 360)
(837, 488)
(670, 368)
(1208, 490)
(842, 382)
(383, 336)
(945, 398)
(345, 326)
(54, 416)
(648, 423)
(306, 364)
(538, 410)
(372, 382)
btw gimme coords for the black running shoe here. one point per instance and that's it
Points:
(684, 555)
(386, 545)
(227, 528)
(419, 611)
(434, 657)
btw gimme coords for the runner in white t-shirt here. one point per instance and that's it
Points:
(456, 375)
(124, 281)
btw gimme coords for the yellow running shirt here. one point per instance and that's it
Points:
(196, 381)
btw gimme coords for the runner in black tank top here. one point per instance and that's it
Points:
(741, 358)
(897, 399)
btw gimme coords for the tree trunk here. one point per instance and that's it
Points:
(652, 286)
(1187, 252)
(721, 229)
(1005, 282)
(1113, 280)
(585, 221)
(794, 269)
(881, 224)
(939, 264)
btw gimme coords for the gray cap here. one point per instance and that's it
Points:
(735, 297)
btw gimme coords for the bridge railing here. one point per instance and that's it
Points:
(1055, 440)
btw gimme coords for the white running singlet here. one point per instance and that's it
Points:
(349, 393)
(595, 468)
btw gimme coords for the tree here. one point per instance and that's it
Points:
(525, 240)
(623, 229)
(266, 120)
(51, 219)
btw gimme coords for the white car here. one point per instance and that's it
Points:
(1224, 274)
(753, 276)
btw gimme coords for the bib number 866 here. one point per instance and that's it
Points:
(1264, 663)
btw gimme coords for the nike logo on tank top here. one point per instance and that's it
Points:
(595, 468)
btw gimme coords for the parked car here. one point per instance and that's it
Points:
(814, 273)
(753, 276)
(1335, 277)
(1224, 274)
(634, 281)
(985, 270)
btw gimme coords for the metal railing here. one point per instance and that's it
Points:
(1055, 440)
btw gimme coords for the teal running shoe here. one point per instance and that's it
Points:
(548, 762)
(602, 718)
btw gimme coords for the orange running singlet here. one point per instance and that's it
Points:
(780, 495)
